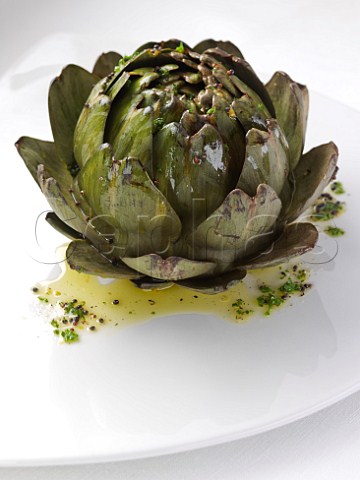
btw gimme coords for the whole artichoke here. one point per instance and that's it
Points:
(177, 164)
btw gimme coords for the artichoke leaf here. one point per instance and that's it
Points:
(216, 284)
(172, 268)
(135, 138)
(291, 106)
(62, 227)
(70, 211)
(194, 172)
(83, 257)
(266, 159)
(232, 135)
(210, 43)
(149, 283)
(36, 152)
(250, 114)
(122, 193)
(313, 172)
(64, 206)
(67, 96)
(123, 104)
(296, 239)
(247, 77)
(240, 226)
(106, 63)
(89, 131)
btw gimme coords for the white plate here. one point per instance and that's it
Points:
(174, 383)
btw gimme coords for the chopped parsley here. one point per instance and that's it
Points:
(180, 48)
(334, 231)
(337, 188)
(241, 309)
(327, 208)
(123, 61)
(69, 336)
(269, 299)
(54, 323)
(275, 296)
(158, 124)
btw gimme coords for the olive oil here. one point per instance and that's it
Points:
(78, 301)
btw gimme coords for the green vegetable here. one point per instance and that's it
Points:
(337, 188)
(335, 231)
(327, 207)
(269, 299)
(178, 165)
(241, 308)
(69, 336)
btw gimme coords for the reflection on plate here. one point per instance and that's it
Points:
(177, 382)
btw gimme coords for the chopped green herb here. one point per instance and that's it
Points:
(69, 336)
(43, 299)
(211, 111)
(269, 300)
(54, 323)
(240, 308)
(327, 208)
(265, 289)
(290, 286)
(260, 107)
(302, 275)
(337, 188)
(123, 61)
(334, 231)
(158, 124)
(56, 331)
(164, 72)
(180, 48)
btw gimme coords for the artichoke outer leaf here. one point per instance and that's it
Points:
(66, 210)
(216, 284)
(106, 63)
(241, 225)
(172, 268)
(291, 103)
(210, 43)
(83, 257)
(295, 240)
(122, 192)
(312, 174)
(36, 152)
(62, 227)
(149, 283)
(67, 96)
(266, 159)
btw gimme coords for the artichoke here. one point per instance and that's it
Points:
(177, 165)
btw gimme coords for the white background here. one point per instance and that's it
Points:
(317, 43)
